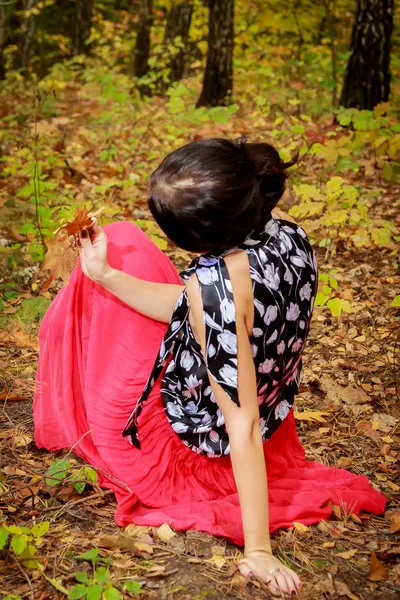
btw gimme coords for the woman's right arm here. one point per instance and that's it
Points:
(154, 300)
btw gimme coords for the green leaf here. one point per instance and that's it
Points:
(102, 575)
(92, 555)
(80, 486)
(40, 529)
(81, 576)
(133, 587)
(3, 537)
(112, 593)
(78, 591)
(19, 543)
(12, 597)
(337, 305)
(387, 172)
(320, 299)
(57, 471)
(91, 474)
(396, 301)
(94, 592)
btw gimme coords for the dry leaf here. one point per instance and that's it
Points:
(338, 393)
(79, 222)
(394, 518)
(24, 340)
(346, 555)
(165, 533)
(343, 590)
(312, 415)
(142, 547)
(327, 545)
(377, 571)
(383, 422)
(344, 462)
(217, 560)
(301, 528)
(59, 260)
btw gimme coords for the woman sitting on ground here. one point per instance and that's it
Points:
(187, 436)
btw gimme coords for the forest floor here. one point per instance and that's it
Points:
(349, 375)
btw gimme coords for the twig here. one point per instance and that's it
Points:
(79, 501)
(26, 576)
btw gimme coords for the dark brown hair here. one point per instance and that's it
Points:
(213, 193)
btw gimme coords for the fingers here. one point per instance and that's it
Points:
(84, 239)
(96, 227)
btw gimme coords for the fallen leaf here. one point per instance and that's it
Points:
(394, 518)
(310, 416)
(383, 422)
(327, 545)
(338, 393)
(24, 340)
(165, 533)
(344, 462)
(347, 554)
(301, 528)
(377, 571)
(217, 560)
(343, 590)
(142, 547)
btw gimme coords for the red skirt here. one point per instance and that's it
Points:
(95, 356)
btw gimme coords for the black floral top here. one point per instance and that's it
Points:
(284, 278)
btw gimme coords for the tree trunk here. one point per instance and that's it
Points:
(3, 39)
(142, 50)
(83, 24)
(26, 33)
(178, 25)
(367, 80)
(218, 76)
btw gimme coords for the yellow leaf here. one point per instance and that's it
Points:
(218, 561)
(328, 545)
(346, 555)
(387, 439)
(393, 486)
(165, 532)
(324, 429)
(313, 415)
(142, 547)
(301, 528)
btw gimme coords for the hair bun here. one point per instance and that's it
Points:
(266, 161)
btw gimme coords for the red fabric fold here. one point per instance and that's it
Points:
(95, 356)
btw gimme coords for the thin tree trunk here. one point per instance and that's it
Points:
(3, 39)
(142, 50)
(83, 24)
(218, 76)
(367, 80)
(26, 33)
(178, 25)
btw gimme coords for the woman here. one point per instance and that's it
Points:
(216, 412)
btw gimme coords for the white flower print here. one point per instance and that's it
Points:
(179, 427)
(280, 347)
(228, 342)
(263, 427)
(288, 276)
(296, 260)
(227, 308)
(187, 360)
(229, 375)
(191, 407)
(267, 366)
(301, 232)
(272, 337)
(302, 324)
(220, 418)
(292, 313)
(271, 277)
(208, 261)
(257, 332)
(228, 285)
(254, 350)
(306, 291)
(286, 243)
(174, 409)
(271, 314)
(272, 228)
(282, 410)
(175, 325)
(207, 275)
(211, 350)
(211, 323)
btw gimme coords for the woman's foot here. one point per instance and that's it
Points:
(262, 565)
